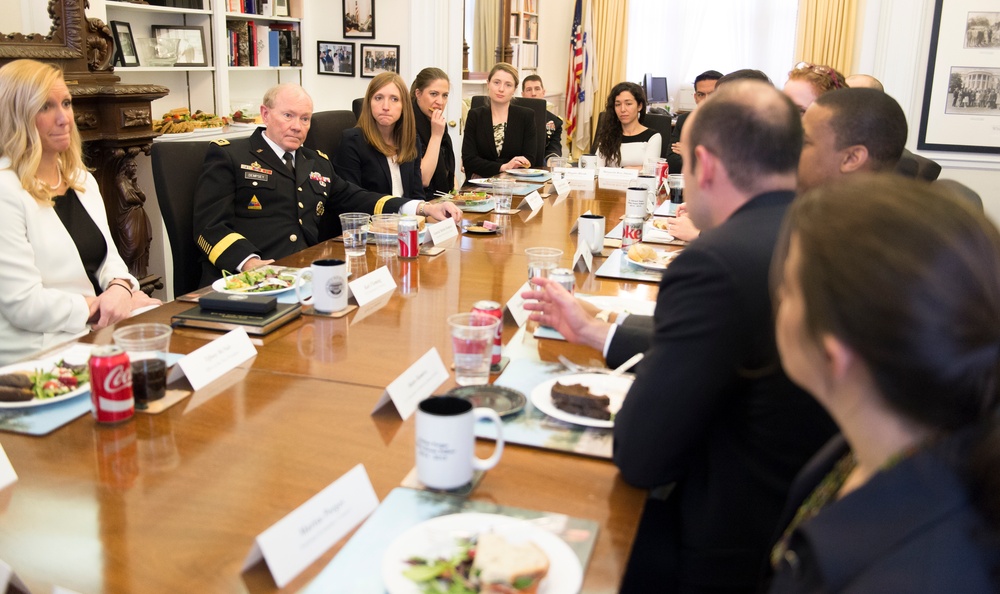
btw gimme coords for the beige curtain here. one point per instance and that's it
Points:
(610, 36)
(826, 33)
(484, 35)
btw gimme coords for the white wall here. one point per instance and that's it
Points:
(894, 41)
(555, 19)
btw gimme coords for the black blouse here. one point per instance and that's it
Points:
(443, 179)
(90, 243)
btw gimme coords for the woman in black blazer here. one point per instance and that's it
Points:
(380, 153)
(430, 91)
(499, 136)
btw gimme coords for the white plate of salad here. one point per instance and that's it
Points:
(265, 280)
(51, 383)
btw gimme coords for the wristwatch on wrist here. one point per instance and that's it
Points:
(604, 315)
(421, 208)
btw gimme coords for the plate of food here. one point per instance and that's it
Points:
(655, 231)
(40, 383)
(474, 202)
(648, 258)
(265, 280)
(588, 399)
(467, 552)
(486, 182)
(374, 230)
(481, 230)
(527, 172)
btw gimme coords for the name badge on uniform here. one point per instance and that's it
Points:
(255, 175)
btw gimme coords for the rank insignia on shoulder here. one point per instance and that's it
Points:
(260, 150)
(221, 142)
(320, 209)
(322, 154)
(254, 204)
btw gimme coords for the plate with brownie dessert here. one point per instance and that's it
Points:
(588, 399)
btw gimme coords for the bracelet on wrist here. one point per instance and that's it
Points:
(129, 289)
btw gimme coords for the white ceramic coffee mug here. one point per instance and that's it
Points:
(591, 229)
(446, 439)
(329, 285)
(589, 161)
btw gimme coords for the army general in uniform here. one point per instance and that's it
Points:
(262, 198)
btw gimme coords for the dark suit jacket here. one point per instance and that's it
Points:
(479, 153)
(247, 202)
(673, 159)
(443, 179)
(711, 408)
(359, 163)
(910, 528)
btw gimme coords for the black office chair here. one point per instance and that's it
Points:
(327, 130)
(540, 108)
(176, 168)
(663, 125)
(356, 106)
(918, 167)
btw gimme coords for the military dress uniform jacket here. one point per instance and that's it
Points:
(248, 202)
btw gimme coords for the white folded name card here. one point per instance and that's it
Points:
(616, 178)
(372, 285)
(443, 231)
(533, 201)
(561, 186)
(7, 474)
(302, 536)
(212, 361)
(515, 305)
(415, 384)
(573, 173)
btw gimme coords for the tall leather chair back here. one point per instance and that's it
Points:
(327, 130)
(662, 124)
(540, 108)
(176, 169)
(356, 107)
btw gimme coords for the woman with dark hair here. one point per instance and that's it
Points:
(499, 136)
(380, 153)
(888, 312)
(430, 92)
(622, 140)
(59, 268)
(806, 82)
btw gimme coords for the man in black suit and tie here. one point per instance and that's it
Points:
(263, 197)
(711, 412)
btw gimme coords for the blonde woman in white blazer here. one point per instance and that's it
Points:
(60, 272)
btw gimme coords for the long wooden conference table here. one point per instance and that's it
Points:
(172, 502)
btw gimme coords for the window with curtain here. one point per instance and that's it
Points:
(681, 39)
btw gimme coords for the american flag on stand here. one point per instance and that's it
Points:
(580, 83)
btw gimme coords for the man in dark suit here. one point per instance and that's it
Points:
(532, 88)
(704, 85)
(262, 198)
(710, 410)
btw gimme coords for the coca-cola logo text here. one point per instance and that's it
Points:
(118, 378)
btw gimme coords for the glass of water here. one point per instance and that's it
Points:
(355, 226)
(503, 195)
(542, 260)
(472, 345)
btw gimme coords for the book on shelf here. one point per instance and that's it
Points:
(196, 317)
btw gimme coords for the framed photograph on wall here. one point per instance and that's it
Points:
(376, 59)
(359, 18)
(336, 57)
(125, 52)
(191, 50)
(961, 109)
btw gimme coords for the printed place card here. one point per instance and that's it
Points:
(533, 201)
(7, 475)
(215, 359)
(443, 231)
(561, 185)
(583, 255)
(372, 286)
(616, 178)
(515, 305)
(574, 173)
(415, 384)
(302, 536)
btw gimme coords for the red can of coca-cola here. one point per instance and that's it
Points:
(492, 308)
(111, 385)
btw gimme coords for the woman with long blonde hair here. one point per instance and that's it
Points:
(380, 153)
(59, 267)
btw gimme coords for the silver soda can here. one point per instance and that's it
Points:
(564, 277)
(631, 231)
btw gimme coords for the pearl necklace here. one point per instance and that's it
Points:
(59, 179)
